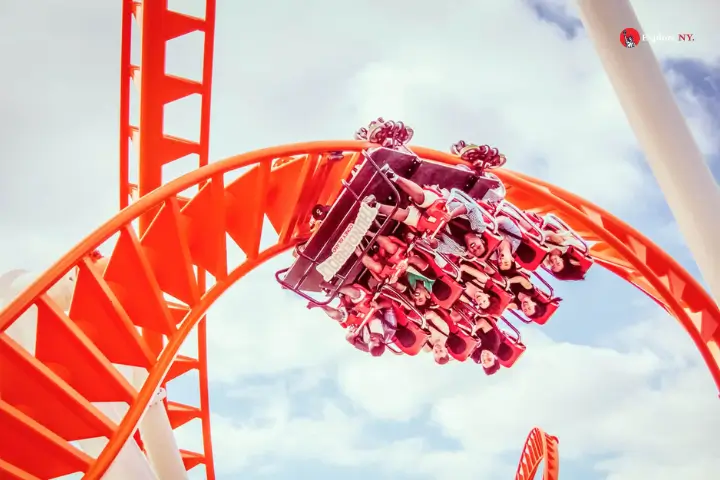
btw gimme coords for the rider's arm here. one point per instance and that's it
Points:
(474, 272)
(337, 314)
(381, 303)
(522, 281)
(458, 204)
(418, 262)
(457, 211)
(555, 238)
(356, 341)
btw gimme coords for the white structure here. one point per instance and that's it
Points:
(671, 151)
(163, 460)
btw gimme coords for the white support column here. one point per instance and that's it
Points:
(130, 461)
(159, 439)
(671, 151)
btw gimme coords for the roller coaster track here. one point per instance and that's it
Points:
(51, 393)
(74, 363)
(539, 447)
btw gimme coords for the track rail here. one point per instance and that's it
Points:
(54, 407)
(539, 447)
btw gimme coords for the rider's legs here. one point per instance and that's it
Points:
(370, 263)
(387, 244)
(353, 293)
(419, 195)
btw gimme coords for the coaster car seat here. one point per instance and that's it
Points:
(532, 251)
(511, 347)
(580, 252)
(465, 342)
(417, 326)
(546, 297)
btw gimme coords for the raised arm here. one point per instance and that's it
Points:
(482, 276)
(555, 239)
(459, 204)
(356, 341)
(526, 283)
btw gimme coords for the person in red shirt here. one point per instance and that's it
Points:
(527, 299)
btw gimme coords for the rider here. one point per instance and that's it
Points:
(426, 288)
(560, 260)
(437, 340)
(526, 298)
(459, 237)
(390, 260)
(355, 303)
(377, 332)
(489, 341)
(475, 283)
(504, 255)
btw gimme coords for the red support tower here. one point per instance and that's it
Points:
(156, 89)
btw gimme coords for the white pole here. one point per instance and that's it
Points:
(661, 130)
(130, 461)
(159, 439)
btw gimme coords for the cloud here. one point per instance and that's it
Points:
(640, 401)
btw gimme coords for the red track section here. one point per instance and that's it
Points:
(47, 399)
(539, 447)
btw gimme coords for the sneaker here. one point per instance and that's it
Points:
(377, 134)
(456, 147)
(361, 134)
(389, 172)
(370, 200)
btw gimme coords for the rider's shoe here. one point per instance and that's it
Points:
(370, 200)
(389, 172)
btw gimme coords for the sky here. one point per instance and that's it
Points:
(616, 379)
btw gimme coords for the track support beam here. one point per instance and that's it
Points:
(660, 127)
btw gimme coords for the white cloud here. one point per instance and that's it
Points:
(643, 400)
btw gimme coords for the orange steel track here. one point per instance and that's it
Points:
(49, 404)
(539, 447)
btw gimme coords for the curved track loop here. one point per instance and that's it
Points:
(73, 364)
(539, 447)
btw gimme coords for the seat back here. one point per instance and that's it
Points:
(511, 342)
(551, 306)
(532, 251)
(584, 260)
(456, 289)
(517, 349)
(420, 335)
(462, 337)
(492, 241)
(505, 296)
(530, 254)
